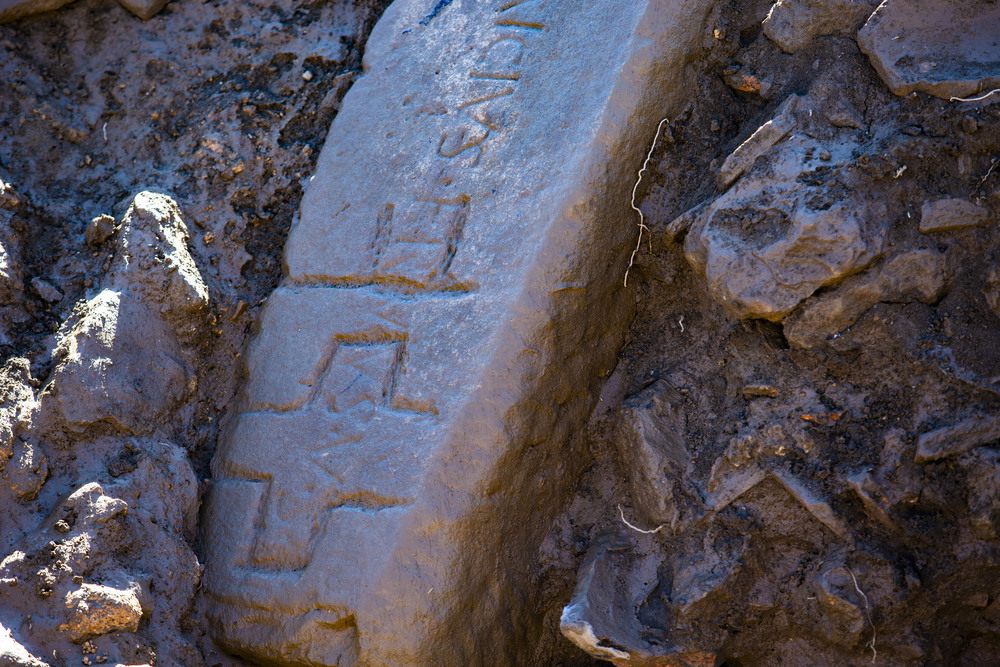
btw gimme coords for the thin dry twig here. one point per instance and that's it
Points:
(636, 528)
(868, 613)
(975, 99)
(635, 189)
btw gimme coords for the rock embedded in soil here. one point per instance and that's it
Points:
(452, 295)
(11, 10)
(99, 230)
(944, 215)
(793, 24)
(785, 229)
(121, 358)
(918, 275)
(144, 9)
(946, 48)
(98, 609)
(758, 143)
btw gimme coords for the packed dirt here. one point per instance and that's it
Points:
(794, 461)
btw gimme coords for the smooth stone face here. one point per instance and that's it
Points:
(144, 9)
(410, 422)
(947, 48)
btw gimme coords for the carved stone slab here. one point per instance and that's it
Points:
(410, 422)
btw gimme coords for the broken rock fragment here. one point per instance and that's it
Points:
(946, 214)
(97, 609)
(779, 234)
(766, 136)
(913, 276)
(121, 359)
(792, 24)
(12, 10)
(953, 440)
(946, 48)
(451, 299)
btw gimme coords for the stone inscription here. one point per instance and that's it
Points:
(423, 333)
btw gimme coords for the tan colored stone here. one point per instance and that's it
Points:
(758, 143)
(947, 214)
(774, 238)
(11, 10)
(453, 294)
(97, 610)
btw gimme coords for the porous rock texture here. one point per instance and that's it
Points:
(793, 461)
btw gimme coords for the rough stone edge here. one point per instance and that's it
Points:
(666, 35)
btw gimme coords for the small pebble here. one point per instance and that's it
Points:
(307, 75)
(45, 290)
(99, 230)
(752, 390)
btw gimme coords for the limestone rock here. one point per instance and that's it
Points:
(13, 654)
(11, 10)
(652, 444)
(766, 136)
(120, 358)
(947, 214)
(26, 470)
(98, 609)
(144, 9)
(90, 506)
(152, 261)
(119, 363)
(452, 296)
(913, 276)
(952, 440)
(99, 230)
(792, 24)
(946, 48)
(777, 236)
(46, 290)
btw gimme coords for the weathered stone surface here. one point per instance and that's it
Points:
(11, 10)
(144, 9)
(947, 48)
(782, 231)
(913, 276)
(953, 440)
(947, 214)
(13, 654)
(766, 136)
(791, 24)
(451, 297)
(121, 359)
(98, 609)
(652, 437)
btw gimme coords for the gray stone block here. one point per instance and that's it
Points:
(415, 396)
